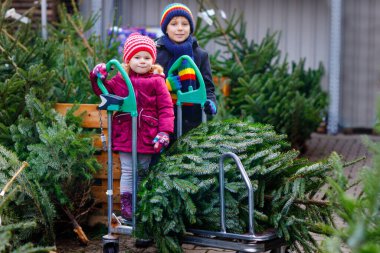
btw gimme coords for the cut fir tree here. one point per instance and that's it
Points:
(182, 190)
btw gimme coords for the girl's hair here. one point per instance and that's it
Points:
(156, 69)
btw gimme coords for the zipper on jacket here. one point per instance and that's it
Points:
(147, 116)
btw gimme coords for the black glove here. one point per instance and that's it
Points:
(210, 107)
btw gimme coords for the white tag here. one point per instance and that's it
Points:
(11, 13)
(104, 142)
(210, 12)
(205, 17)
(223, 14)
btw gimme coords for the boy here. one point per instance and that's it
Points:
(178, 26)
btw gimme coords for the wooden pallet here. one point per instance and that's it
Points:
(90, 115)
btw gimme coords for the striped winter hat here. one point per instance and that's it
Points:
(174, 10)
(136, 43)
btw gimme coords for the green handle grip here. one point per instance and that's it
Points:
(197, 96)
(101, 86)
(129, 104)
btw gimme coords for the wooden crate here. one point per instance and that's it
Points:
(28, 7)
(90, 115)
(223, 84)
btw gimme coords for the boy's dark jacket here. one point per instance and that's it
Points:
(192, 116)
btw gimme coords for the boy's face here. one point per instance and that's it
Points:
(178, 29)
(141, 62)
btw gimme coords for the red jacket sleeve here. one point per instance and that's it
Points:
(164, 107)
(109, 84)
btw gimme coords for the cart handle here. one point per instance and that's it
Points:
(248, 184)
(129, 102)
(197, 96)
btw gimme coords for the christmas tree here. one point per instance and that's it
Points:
(15, 230)
(181, 191)
(264, 86)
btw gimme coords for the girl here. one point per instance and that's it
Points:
(177, 26)
(154, 105)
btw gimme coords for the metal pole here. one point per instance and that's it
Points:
(204, 117)
(179, 120)
(221, 194)
(110, 172)
(334, 78)
(96, 7)
(44, 19)
(134, 171)
(247, 182)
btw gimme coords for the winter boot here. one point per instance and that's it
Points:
(126, 205)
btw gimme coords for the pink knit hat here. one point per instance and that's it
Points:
(136, 43)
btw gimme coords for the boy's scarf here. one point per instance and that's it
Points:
(185, 72)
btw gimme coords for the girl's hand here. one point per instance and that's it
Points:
(100, 71)
(160, 142)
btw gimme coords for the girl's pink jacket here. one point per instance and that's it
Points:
(154, 106)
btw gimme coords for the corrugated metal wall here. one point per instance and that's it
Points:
(305, 28)
(304, 24)
(360, 82)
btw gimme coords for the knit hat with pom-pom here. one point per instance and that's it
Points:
(174, 10)
(136, 43)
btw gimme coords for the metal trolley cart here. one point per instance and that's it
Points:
(113, 103)
(249, 242)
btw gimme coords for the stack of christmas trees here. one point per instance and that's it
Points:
(182, 190)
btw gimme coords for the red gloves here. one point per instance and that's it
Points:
(161, 141)
(100, 71)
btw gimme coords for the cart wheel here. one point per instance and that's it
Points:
(111, 247)
(143, 243)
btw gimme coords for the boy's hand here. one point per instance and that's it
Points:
(100, 71)
(173, 83)
(210, 107)
(160, 141)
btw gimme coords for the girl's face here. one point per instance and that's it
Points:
(141, 62)
(178, 29)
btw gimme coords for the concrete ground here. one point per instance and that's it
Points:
(350, 147)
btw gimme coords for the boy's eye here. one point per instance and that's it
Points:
(182, 24)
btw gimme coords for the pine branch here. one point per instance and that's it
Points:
(77, 228)
(224, 33)
(14, 40)
(323, 203)
(9, 57)
(349, 163)
(23, 166)
(80, 34)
